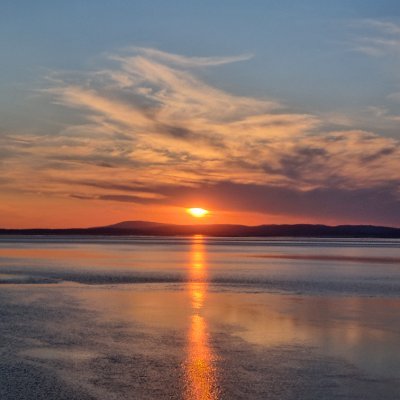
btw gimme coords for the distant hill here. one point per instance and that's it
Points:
(146, 228)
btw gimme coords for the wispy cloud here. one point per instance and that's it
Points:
(377, 37)
(183, 61)
(382, 26)
(152, 124)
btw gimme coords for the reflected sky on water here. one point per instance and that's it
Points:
(200, 319)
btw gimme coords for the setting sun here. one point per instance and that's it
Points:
(197, 212)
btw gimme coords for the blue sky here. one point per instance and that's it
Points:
(328, 66)
(302, 50)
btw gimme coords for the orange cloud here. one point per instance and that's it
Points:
(150, 122)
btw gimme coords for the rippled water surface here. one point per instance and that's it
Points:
(199, 318)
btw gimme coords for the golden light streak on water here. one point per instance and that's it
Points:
(200, 366)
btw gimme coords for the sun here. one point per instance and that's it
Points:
(197, 212)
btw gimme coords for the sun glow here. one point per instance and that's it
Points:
(197, 212)
(201, 362)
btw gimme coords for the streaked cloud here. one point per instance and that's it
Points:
(382, 26)
(183, 61)
(154, 129)
(377, 37)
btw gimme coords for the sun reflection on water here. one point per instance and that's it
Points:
(200, 364)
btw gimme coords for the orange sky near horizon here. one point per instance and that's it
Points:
(39, 212)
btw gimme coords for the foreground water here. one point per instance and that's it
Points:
(199, 318)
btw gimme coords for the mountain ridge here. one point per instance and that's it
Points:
(150, 228)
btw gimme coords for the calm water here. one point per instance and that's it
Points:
(199, 318)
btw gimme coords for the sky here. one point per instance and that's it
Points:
(262, 112)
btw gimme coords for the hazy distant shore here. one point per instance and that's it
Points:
(143, 228)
